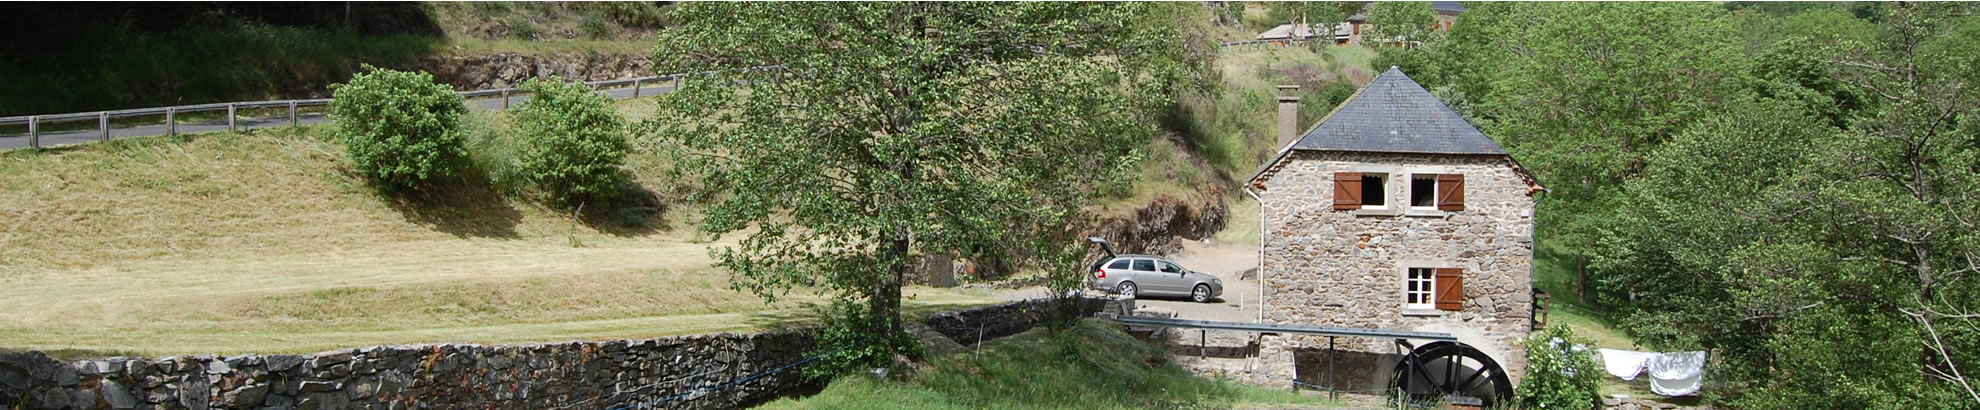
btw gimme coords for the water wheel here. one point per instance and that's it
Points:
(1439, 370)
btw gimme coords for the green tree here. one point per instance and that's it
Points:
(573, 142)
(1803, 239)
(1561, 370)
(399, 128)
(896, 129)
(1319, 16)
(1401, 21)
(1582, 92)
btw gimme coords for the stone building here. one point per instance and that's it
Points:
(1392, 213)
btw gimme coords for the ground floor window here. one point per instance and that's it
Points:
(1419, 293)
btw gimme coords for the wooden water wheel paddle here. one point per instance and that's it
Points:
(1435, 371)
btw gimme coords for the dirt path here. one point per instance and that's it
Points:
(1223, 260)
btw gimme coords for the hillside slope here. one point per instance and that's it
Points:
(265, 242)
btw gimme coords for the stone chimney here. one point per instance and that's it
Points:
(1288, 114)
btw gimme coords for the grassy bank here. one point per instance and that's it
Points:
(1093, 365)
(264, 241)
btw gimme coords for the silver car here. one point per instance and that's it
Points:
(1133, 275)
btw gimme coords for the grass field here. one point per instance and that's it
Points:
(1094, 365)
(265, 242)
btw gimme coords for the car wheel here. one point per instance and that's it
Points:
(1127, 289)
(1201, 294)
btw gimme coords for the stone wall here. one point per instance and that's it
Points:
(450, 376)
(579, 375)
(1346, 268)
(990, 322)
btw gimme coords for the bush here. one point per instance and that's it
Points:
(573, 143)
(1561, 372)
(845, 345)
(400, 128)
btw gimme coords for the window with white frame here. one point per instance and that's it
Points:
(1419, 292)
(1374, 192)
(1423, 191)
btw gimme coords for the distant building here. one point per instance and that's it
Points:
(1447, 15)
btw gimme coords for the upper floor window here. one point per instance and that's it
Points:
(1425, 192)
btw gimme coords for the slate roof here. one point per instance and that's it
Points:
(1392, 114)
(1395, 114)
(1447, 6)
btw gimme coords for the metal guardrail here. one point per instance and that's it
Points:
(1248, 44)
(34, 122)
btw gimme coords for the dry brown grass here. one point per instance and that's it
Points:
(264, 242)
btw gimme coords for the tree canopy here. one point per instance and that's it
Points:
(1792, 188)
(891, 130)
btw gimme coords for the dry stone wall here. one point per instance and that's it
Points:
(670, 372)
(445, 376)
(1332, 267)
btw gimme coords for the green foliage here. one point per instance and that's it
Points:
(1788, 189)
(1561, 372)
(1582, 92)
(1092, 365)
(1401, 21)
(895, 129)
(520, 27)
(399, 128)
(574, 143)
(633, 14)
(844, 346)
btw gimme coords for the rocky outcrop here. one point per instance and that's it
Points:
(1160, 226)
(478, 72)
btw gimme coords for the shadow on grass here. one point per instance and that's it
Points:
(635, 211)
(464, 206)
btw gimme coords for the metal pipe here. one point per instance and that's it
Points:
(1332, 392)
(103, 124)
(1261, 251)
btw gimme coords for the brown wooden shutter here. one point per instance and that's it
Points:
(1452, 196)
(1450, 288)
(1347, 190)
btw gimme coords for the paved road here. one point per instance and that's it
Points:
(58, 138)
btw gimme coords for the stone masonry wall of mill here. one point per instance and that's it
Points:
(1330, 267)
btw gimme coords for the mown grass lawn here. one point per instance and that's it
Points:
(265, 242)
(1094, 365)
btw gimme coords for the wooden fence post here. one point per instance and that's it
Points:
(636, 82)
(292, 113)
(171, 125)
(103, 124)
(677, 83)
(34, 131)
(505, 99)
(230, 118)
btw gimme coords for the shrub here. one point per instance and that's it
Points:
(400, 128)
(844, 345)
(1560, 371)
(572, 141)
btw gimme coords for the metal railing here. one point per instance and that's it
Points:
(1256, 44)
(171, 113)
